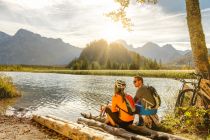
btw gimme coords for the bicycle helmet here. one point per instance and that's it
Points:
(120, 84)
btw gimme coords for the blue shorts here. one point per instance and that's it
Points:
(142, 111)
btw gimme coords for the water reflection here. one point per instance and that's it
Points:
(67, 96)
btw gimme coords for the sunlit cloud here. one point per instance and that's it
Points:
(79, 22)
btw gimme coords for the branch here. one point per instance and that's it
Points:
(120, 15)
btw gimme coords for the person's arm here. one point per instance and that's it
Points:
(136, 98)
(138, 95)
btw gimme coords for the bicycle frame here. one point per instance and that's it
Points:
(195, 89)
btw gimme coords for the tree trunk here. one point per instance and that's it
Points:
(112, 130)
(73, 130)
(141, 130)
(197, 38)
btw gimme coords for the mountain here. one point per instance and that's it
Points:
(165, 53)
(186, 59)
(125, 44)
(4, 37)
(28, 48)
(101, 55)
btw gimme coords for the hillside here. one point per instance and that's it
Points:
(186, 60)
(165, 54)
(4, 37)
(101, 55)
(28, 48)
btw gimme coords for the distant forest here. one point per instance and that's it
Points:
(100, 54)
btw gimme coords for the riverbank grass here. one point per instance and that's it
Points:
(63, 70)
(145, 73)
(7, 88)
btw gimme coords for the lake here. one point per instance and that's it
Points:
(66, 96)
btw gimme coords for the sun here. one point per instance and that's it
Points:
(113, 31)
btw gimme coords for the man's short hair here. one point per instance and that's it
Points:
(139, 78)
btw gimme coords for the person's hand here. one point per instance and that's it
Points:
(102, 110)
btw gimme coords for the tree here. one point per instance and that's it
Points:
(160, 63)
(197, 37)
(84, 64)
(95, 65)
(108, 64)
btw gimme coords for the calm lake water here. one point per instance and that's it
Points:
(66, 96)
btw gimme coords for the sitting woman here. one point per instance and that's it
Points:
(117, 112)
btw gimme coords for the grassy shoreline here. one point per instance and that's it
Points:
(7, 88)
(145, 73)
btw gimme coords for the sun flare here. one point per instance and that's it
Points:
(113, 31)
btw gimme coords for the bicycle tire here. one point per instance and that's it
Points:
(202, 102)
(184, 98)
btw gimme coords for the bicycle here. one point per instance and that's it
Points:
(192, 96)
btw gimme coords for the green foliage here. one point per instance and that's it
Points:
(145, 73)
(28, 67)
(101, 55)
(150, 64)
(192, 120)
(119, 15)
(7, 88)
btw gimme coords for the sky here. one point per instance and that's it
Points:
(79, 22)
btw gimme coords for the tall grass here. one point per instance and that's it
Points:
(29, 67)
(145, 73)
(7, 88)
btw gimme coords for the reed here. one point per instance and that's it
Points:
(7, 88)
(56, 69)
(145, 73)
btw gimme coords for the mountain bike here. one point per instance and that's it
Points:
(193, 96)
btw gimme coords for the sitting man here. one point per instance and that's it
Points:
(147, 103)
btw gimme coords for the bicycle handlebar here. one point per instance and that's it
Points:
(186, 82)
(196, 74)
(199, 75)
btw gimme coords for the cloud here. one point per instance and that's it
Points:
(79, 22)
(178, 6)
(152, 23)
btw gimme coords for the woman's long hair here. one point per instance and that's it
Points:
(121, 92)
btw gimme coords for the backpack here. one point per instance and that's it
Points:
(130, 105)
(155, 96)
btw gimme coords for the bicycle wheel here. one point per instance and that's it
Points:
(185, 98)
(201, 100)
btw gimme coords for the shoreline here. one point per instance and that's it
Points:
(186, 74)
(13, 127)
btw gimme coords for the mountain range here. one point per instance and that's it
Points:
(28, 48)
(186, 59)
(166, 54)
